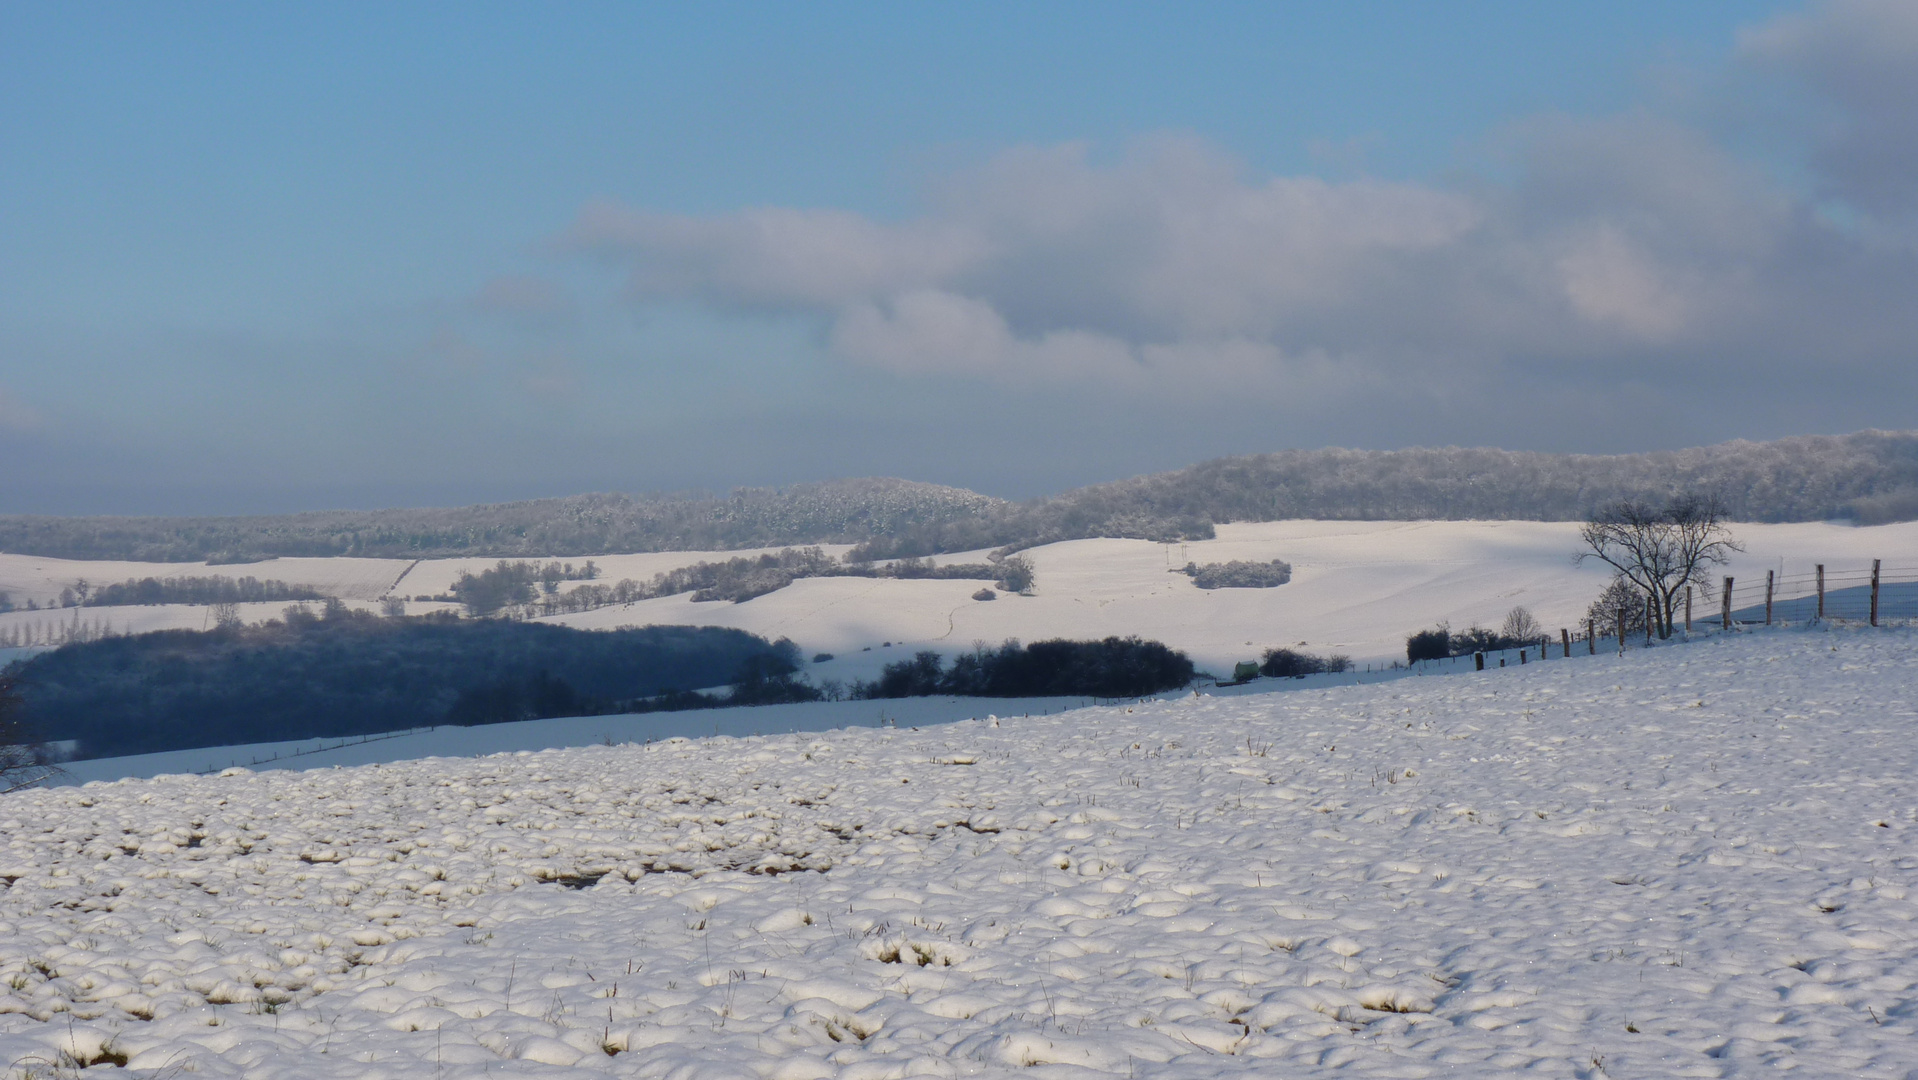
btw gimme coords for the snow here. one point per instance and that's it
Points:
(1686, 861)
(451, 741)
(1358, 587)
(435, 576)
(58, 625)
(40, 579)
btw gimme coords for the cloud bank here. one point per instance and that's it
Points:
(1639, 245)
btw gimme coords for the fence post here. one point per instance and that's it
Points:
(1480, 658)
(1565, 641)
(1726, 616)
(1874, 592)
(1651, 618)
(1821, 592)
(1621, 631)
(1688, 611)
(1768, 590)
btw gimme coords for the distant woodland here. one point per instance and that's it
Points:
(1869, 477)
(353, 673)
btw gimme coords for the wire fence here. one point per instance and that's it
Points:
(1869, 594)
(1873, 595)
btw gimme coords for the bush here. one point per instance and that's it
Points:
(1015, 574)
(1429, 645)
(1239, 574)
(1287, 664)
(1443, 642)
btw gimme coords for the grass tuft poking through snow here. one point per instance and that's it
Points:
(1688, 861)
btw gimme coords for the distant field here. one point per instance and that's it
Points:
(40, 579)
(1357, 588)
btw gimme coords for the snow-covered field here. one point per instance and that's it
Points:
(1358, 588)
(40, 579)
(1690, 861)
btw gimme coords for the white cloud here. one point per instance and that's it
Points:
(1634, 239)
(1609, 280)
(774, 256)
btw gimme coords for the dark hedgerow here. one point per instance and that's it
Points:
(1442, 642)
(1287, 664)
(1114, 667)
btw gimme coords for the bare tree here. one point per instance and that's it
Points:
(1660, 550)
(1521, 628)
(22, 756)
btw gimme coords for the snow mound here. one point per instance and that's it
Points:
(1686, 861)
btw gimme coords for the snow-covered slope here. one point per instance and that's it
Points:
(1691, 861)
(40, 579)
(1358, 587)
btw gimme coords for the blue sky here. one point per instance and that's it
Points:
(259, 258)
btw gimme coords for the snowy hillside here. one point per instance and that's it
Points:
(1357, 588)
(1686, 861)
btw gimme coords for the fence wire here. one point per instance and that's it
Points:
(1795, 599)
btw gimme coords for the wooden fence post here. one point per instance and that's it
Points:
(1621, 631)
(1874, 592)
(1768, 591)
(1479, 657)
(1821, 592)
(1726, 616)
(1565, 641)
(1591, 637)
(1688, 611)
(1651, 618)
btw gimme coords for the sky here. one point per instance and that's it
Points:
(264, 258)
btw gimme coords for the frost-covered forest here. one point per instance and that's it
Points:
(1871, 477)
